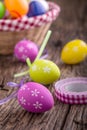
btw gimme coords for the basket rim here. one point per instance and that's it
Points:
(52, 13)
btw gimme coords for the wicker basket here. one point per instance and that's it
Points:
(14, 30)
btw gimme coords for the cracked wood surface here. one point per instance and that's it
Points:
(71, 24)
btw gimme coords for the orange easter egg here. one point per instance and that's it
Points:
(17, 8)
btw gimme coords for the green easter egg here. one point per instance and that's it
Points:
(2, 10)
(44, 71)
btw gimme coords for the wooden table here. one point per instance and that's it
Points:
(71, 24)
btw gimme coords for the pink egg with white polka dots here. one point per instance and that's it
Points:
(25, 49)
(35, 98)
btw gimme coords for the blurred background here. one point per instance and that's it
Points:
(72, 21)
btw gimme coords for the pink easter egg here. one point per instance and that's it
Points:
(25, 49)
(35, 98)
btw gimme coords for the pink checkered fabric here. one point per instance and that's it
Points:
(31, 22)
(71, 97)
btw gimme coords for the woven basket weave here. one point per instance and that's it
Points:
(14, 30)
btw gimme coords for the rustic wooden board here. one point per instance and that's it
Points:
(71, 24)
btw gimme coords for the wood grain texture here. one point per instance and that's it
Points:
(71, 24)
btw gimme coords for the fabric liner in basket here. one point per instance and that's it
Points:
(13, 30)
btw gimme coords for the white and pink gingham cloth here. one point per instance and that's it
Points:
(25, 22)
(69, 95)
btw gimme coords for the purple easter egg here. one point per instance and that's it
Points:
(44, 3)
(36, 8)
(25, 49)
(35, 98)
(7, 15)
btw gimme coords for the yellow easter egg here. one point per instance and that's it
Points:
(74, 52)
(44, 71)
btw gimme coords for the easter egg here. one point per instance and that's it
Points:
(44, 71)
(25, 49)
(35, 98)
(17, 8)
(36, 8)
(74, 52)
(44, 3)
(2, 10)
(7, 15)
